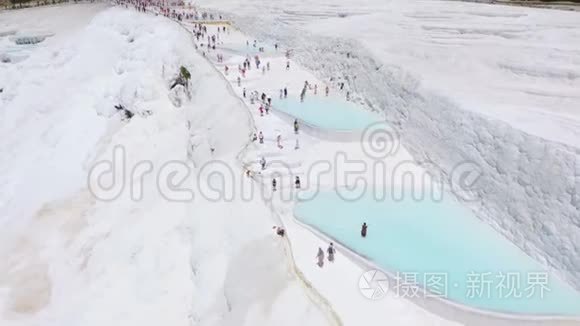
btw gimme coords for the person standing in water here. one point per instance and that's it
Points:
(363, 231)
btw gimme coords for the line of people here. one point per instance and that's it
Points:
(264, 108)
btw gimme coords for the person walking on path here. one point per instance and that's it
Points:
(320, 257)
(330, 252)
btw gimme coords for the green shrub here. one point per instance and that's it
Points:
(184, 73)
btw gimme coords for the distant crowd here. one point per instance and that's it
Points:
(176, 10)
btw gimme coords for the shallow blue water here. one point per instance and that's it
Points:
(327, 112)
(429, 238)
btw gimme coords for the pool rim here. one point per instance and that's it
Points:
(368, 264)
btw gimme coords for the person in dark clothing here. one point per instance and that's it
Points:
(280, 231)
(330, 252)
(363, 231)
(320, 257)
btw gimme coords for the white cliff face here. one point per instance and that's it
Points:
(71, 258)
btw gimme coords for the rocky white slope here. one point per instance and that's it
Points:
(69, 258)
